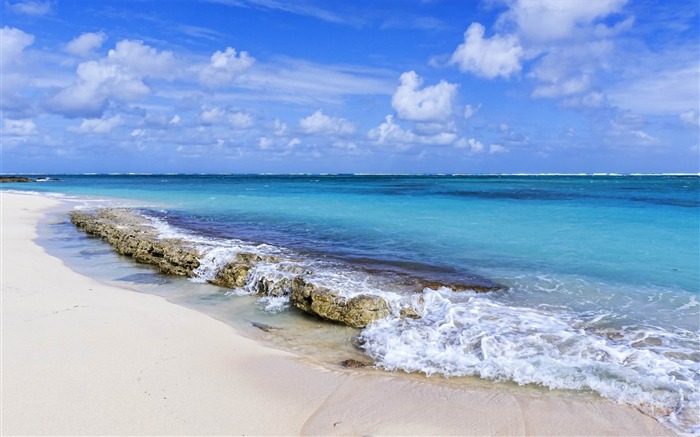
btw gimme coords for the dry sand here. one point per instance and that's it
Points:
(80, 357)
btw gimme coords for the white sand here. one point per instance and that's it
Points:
(81, 357)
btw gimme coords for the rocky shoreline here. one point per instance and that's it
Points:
(11, 179)
(134, 235)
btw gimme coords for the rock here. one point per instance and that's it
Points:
(10, 179)
(358, 311)
(132, 235)
(353, 364)
(409, 313)
(476, 288)
(232, 275)
(264, 327)
(277, 288)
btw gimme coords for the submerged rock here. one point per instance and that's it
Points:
(353, 364)
(358, 311)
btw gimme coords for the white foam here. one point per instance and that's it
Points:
(473, 335)
(464, 333)
(274, 304)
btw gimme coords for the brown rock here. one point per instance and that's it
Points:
(358, 311)
(232, 275)
(132, 235)
(353, 364)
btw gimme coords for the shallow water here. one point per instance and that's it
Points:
(600, 273)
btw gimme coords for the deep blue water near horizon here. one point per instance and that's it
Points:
(602, 273)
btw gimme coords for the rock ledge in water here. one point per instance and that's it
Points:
(358, 311)
(132, 235)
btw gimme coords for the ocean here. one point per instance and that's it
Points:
(599, 274)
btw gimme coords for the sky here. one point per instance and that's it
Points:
(364, 86)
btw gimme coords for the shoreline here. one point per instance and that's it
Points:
(82, 357)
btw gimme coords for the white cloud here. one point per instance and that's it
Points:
(644, 137)
(497, 148)
(279, 127)
(592, 100)
(240, 120)
(668, 91)
(12, 42)
(224, 67)
(690, 118)
(143, 60)
(430, 103)
(119, 77)
(303, 81)
(175, 120)
(470, 110)
(391, 133)
(19, 128)
(568, 87)
(97, 83)
(319, 123)
(211, 115)
(265, 143)
(294, 142)
(34, 8)
(98, 125)
(555, 20)
(472, 144)
(84, 44)
(488, 57)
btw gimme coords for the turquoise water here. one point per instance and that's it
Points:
(601, 274)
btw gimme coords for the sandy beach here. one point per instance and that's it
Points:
(80, 357)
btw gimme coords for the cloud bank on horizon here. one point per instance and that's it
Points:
(497, 86)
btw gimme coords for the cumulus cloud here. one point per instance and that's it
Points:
(430, 103)
(34, 8)
(84, 44)
(142, 60)
(240, 120)
(319, 123)
(12, 43)
(472, 144)
(391, 133)
(224, 67)
(20, 128)
(497, 148)
(492, 57)
(98, 125)
(119, 77)
(211, 115)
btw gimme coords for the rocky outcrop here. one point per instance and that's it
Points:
(132, 235)
(358, 311)
(15, 179)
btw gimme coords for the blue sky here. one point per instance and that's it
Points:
(393, 86)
